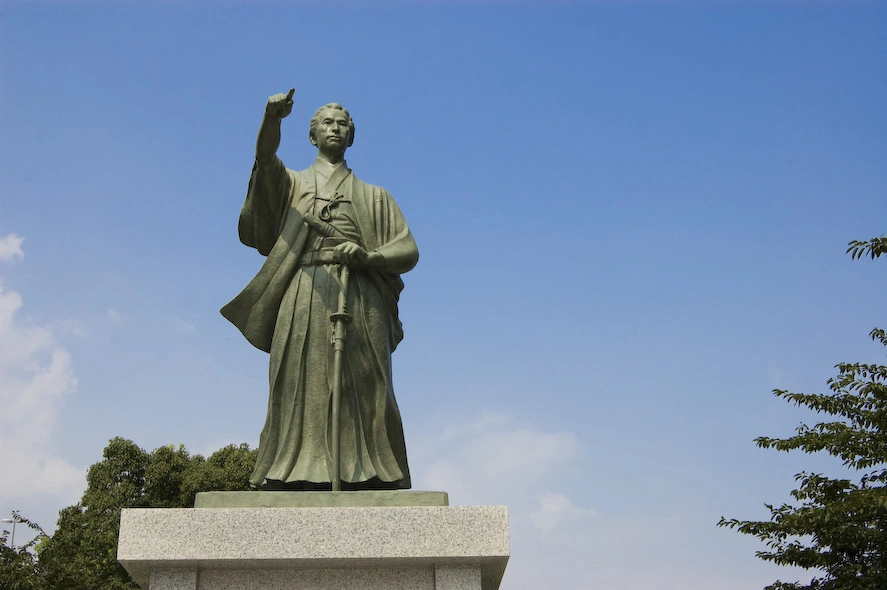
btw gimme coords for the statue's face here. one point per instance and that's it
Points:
(332, 134)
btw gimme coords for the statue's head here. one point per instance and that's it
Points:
(319, 115)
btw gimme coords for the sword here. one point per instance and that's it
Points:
(339, 321)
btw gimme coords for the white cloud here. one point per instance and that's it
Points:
(490, 457)
(569, 527)
(11, 247)
(555, 508)
(484, 423)
(71, 327)
(180, 326)
(115, 316)
(35, 376)
(496, 459)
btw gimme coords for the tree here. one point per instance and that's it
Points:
(838, 526)
(82, 554)
(18, 564)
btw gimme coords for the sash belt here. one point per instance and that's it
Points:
(317, 257)
(323, 254)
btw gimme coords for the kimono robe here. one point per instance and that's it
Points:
(285, 311)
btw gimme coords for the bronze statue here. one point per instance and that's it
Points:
(314, 226)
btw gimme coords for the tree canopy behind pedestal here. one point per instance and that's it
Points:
(82, 554)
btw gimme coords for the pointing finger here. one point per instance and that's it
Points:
(289, 95)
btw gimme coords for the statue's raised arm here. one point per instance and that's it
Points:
(279, 106)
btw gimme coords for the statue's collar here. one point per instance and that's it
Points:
(326, 168)
(329, 177)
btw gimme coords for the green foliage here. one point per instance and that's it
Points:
(82, 554)
(18, 569)
(837, 527)
(874, 248)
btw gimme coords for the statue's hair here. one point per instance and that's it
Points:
(312, 127)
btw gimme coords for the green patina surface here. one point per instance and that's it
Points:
(335, 249)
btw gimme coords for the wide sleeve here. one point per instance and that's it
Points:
(272, 225)
(265, 209)
(254, 310)
(396, 243)
(387, 233)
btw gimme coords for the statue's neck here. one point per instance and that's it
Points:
(331, 158)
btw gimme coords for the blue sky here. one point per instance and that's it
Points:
(632, 220)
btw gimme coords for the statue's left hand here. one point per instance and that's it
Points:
(353, 255)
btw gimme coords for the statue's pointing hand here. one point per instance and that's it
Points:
(280, 105)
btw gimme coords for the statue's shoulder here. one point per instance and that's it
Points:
(369, 189)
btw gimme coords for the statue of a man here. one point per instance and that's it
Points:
(309, 224)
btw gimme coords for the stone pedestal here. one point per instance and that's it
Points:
(316, 548)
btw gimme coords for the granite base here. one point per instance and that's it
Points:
(316, 548)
